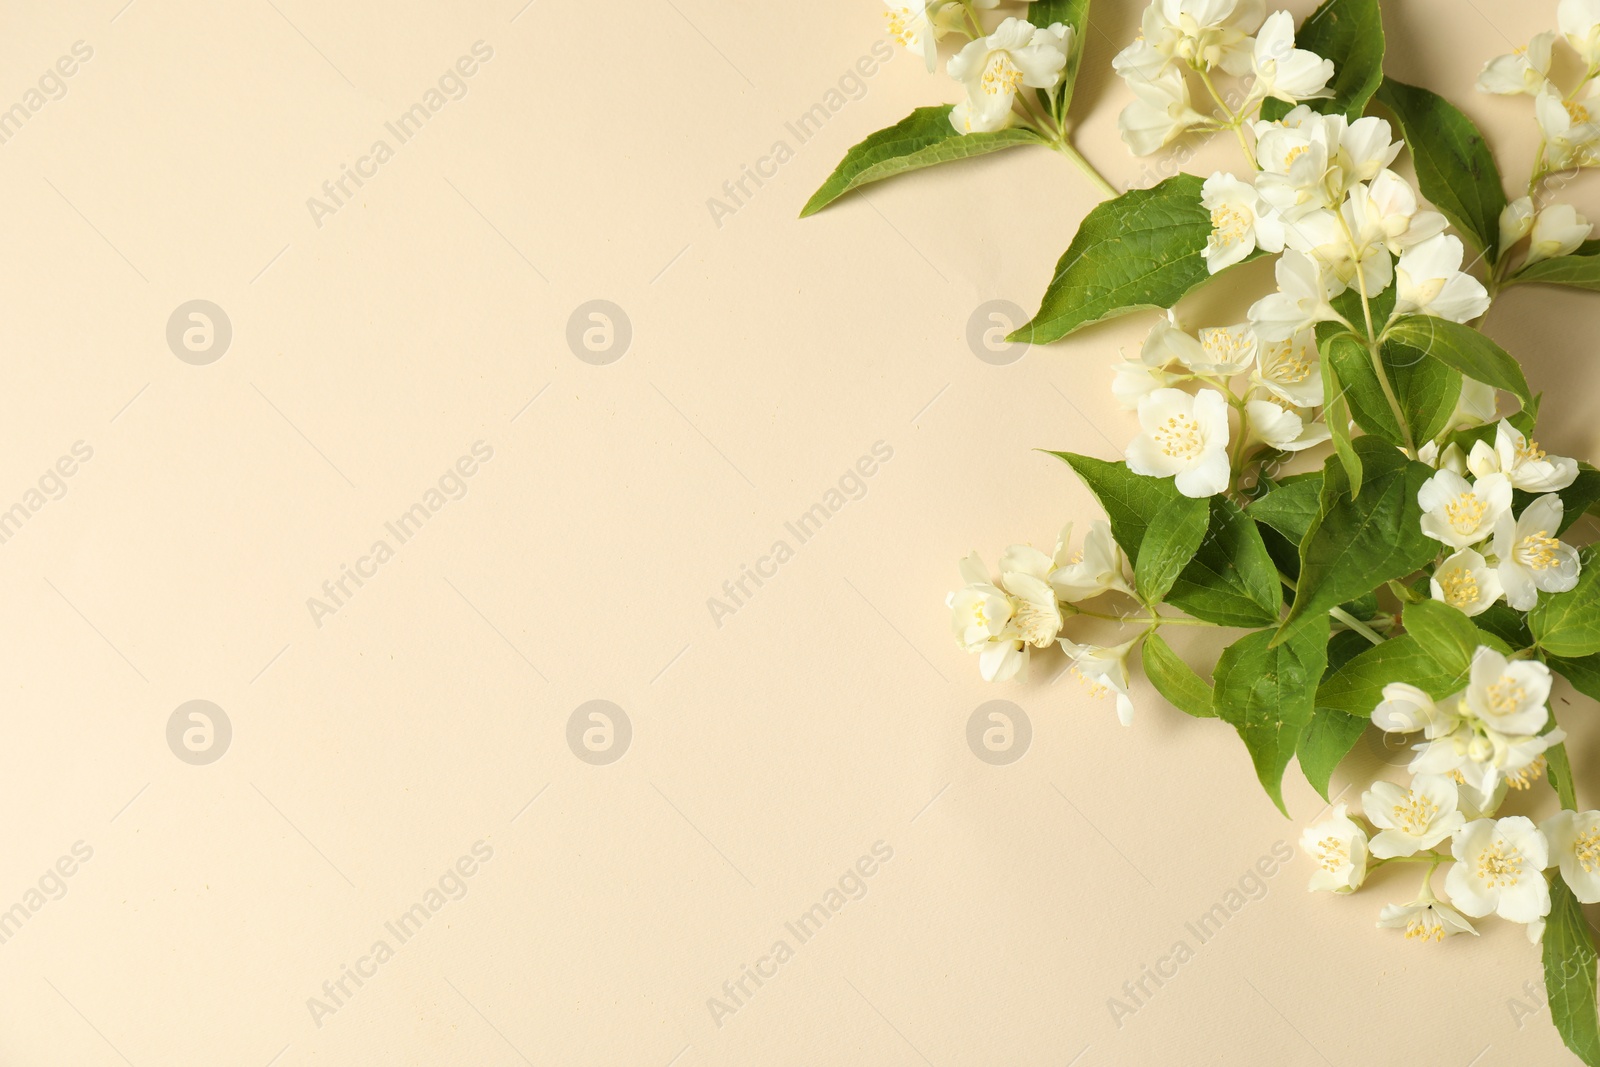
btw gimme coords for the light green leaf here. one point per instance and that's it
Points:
(1131, 500)
(1176, 680)
(921, 139)
(1327, 739)
(1265, 692)
(1581, 270)
(1569, 974)
(1169, 544)
(1454, 166)
(1349, 32)
(1231, 581)
(1426, 389)
(1336, 350)
(1559, 769)
(1141, 250)
(1357, 544)
(1447, 635)
(1568, 624)
(1465, 349)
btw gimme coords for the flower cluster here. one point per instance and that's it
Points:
(1494, 553)
(993, 67)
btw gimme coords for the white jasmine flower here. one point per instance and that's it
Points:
(1104, 670)
(1160, 113)
(1451, 458)
(1000, 622)
(1226, 350)
(1293, 158)
(1283, 71)
(1508, 695)
(1579, 21)
(1476, 806)
(917, 25)
(1431, 282)
(1527, 466)
(1366, 148)
(1340, 848)
(1186, 437)
(1346, 243)
(1516, 222)
(1500, 869)
(1426, 919)
(1531, 558)
(1207, 33)
(1411, 820)
(1525, 71)
(1291, 370)
(1094, 569)
(1286, 431)
(995, 67)
(1558, 230)
(1240, 222)
(1389, 207)
(1460, 514)
(1570, 133)
(1466, 582)
(1406, 709)
(1302, 299)
(1574, 839)
(1136, 378)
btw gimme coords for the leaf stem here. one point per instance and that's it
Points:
(1062, 145)
(1353, 623)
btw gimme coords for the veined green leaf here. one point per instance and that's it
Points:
(1446, 634)
(921, 139)
(1569, 974)
(1581, 270)
(1338, 349)
(1327, 739)
(1464, 349)
(1454, 166)
(1357, 687)
(1568, 624)
(1141, 250)
(1426, 389)
(1231, 580)
(1265, 692)
(1170, 542)
(1176, 680)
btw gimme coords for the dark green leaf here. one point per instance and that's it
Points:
(1359, 543)
(1231, 581)
(1349, 32)
(1265, 692)
(1465, 349)
(921, 139)
(1131, 500)
(1569, 974)
(1426, 389)
(1176, 680)
(1328, 738)
(1169, 544)
(1575, 498)
(1454, 166)
(1581, 270)
(1568, 624)
(1290, 509)
(1507, 624)
(1141, 250)
(1582, 673)
(1559, 768)
(1074, 13)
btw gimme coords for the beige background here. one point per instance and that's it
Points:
(769, 752)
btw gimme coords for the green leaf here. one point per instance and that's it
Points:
(1507, 624)
(1349, 32)
(1568, 624)
(1170, 542)
(1176, 680)
(1231, 581)
(1569, 974)
(1291, 508)
(1454, 166)
(1131, 500)
(1582, 673)
(1074, 13)
(1336, 406)
(1465, 349)
(1581, 270)
(1141, 250)
(1359, 543)
(1327, 739)
(921, 139)
(1447, 635)
(1265, 692)
(1426, 389)
(1357, 686)
(1559, 768)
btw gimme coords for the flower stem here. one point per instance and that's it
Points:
(1060, 144)
(1353, 623)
